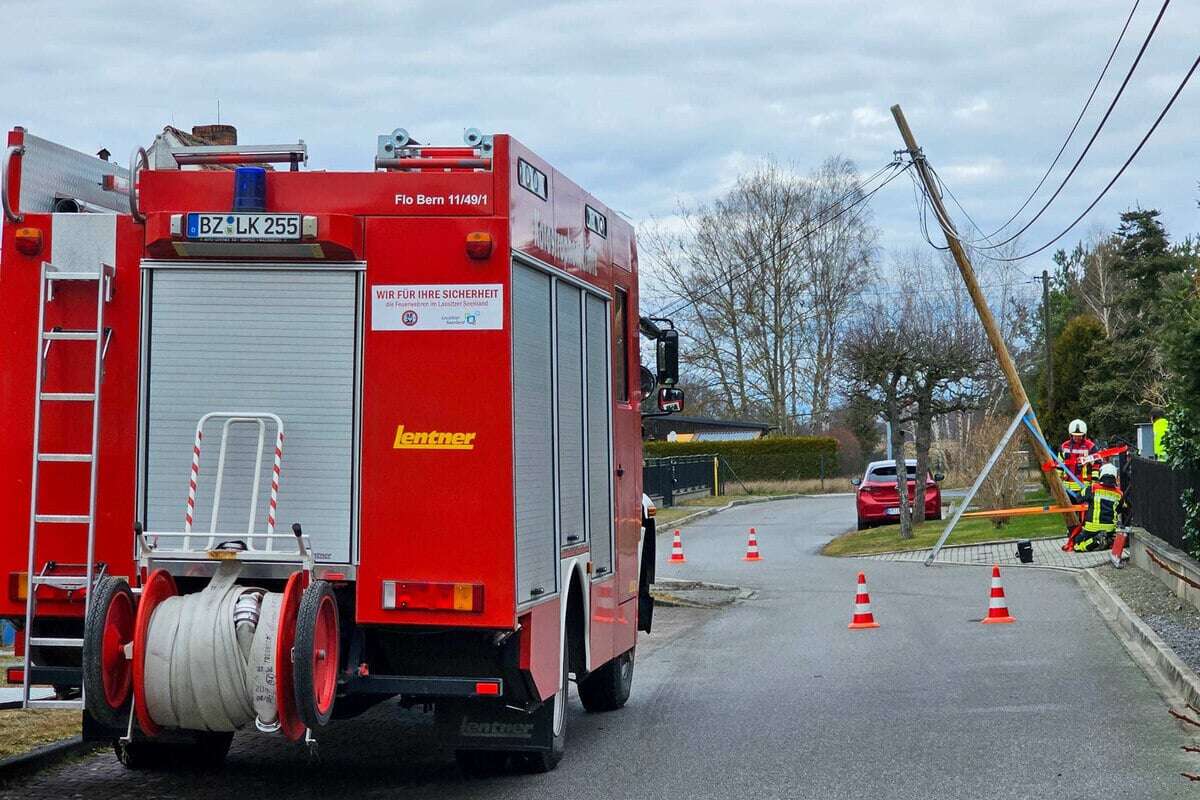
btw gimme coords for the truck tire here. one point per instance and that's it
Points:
(206, 752)
(315, 654)
(546, 760)
(107, 673)
(607, 688)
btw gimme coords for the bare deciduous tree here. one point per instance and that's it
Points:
(764, 278)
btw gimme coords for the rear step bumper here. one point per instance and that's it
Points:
(422, 686)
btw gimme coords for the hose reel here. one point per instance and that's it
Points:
(219, 659)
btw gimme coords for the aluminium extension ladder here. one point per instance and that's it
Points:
(80, 576)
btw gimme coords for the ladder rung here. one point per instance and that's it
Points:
(85, 397)
(84, 457)
(60, 581)
(57, 275)
(63, 519)
(54, 703)
(89, 336)
(53, 641)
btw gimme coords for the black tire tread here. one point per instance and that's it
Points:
(93, 669)
(603, 689)
(302, 675)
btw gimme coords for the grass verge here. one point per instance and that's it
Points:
(886, 539)
(22, 731)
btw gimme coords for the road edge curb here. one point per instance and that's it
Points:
(1152, 654)
(44, 756)
(708, 512)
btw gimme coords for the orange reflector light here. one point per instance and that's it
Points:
(433, 596)
(18, 585)
(28, 241)
(16, 675)
(487, 687)
(479, 245)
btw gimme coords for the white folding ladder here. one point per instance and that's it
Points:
(43, 573)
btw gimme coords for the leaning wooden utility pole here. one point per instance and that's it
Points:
(1007, 365)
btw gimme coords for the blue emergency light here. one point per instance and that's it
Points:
(249, 189)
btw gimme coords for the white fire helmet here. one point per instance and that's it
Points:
(1077, 426)
(1108, 471)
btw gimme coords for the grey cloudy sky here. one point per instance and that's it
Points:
(644, 103)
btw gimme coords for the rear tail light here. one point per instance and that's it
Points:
(15, 675)
(28, 241)
(18, 585)
(487, 687)
(479, 245)
(423, 596)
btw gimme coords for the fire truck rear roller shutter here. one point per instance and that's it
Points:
(533, 443)
(254, 340)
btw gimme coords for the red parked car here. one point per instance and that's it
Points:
(877, 500)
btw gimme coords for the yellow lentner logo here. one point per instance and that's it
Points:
(432, 440)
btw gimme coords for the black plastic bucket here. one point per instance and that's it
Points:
(1025, 551)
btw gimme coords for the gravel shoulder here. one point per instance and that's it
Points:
(1177, 622)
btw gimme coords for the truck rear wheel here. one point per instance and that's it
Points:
(556, 708)
(607, 688)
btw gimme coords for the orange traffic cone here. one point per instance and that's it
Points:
(997, 607)
(676, 550)
(752, 553)
(863, 618)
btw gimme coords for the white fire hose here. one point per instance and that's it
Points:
(210, 657)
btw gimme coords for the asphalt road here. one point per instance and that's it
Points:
(774, 698)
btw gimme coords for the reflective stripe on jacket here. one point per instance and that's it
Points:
(1103, 505)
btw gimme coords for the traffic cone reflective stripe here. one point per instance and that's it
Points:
(752, 553)
(997, 606)
(677, 549)
(863, 618)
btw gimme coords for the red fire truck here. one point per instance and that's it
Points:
(281, 444)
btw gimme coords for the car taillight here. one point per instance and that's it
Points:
(424, 596)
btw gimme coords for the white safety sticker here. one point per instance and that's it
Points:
(437, 307)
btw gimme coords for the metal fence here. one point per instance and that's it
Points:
(665, 479)
(1154, 498)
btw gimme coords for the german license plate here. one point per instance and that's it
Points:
(243, 227)
(893, 511)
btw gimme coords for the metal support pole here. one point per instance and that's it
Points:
(1048, 344)
(979, 479)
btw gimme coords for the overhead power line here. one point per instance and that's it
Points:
(1120, 172)
(1071, 133)
(859, 188)
(1099, 127)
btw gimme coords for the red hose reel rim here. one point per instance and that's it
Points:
(325, 656)
(285, 698)
(118, 630)
(159, 586)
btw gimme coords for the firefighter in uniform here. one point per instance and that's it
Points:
(1073, 452)
(1105, 504)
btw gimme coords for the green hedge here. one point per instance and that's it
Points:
(782, 458)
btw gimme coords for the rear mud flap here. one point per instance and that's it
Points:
(482, 725)
(645, 617)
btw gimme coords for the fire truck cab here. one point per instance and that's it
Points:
(281, 443)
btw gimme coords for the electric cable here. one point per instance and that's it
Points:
(1071, 133)
(1099, 127)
